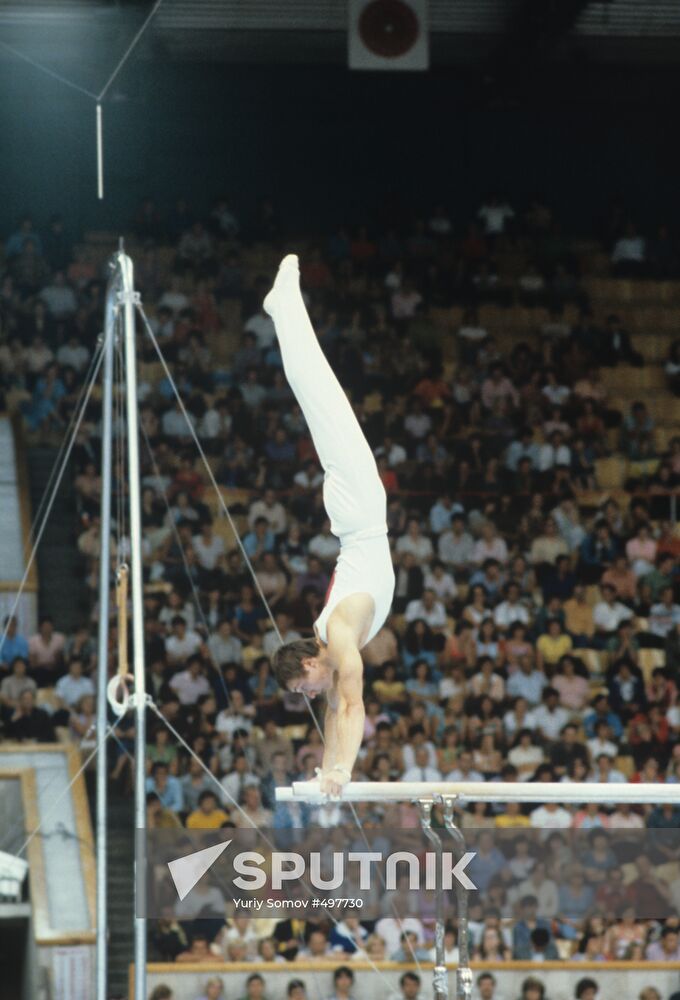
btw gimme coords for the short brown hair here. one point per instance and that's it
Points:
(287, 660)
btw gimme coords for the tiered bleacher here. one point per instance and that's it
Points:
(519, 390)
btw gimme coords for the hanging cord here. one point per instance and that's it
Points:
(255, 826)
(180, 546)
(222, 790)
(50, 503)
(208, 469)
(128, 52)
(216, 488)
(75, 86)
(47, 71)
(220, 498)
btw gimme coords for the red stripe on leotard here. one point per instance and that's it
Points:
(328, 591)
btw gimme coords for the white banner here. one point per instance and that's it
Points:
(388, 35)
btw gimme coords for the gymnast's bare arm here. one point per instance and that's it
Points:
(345, 715)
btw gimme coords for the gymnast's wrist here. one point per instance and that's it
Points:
(343, 770)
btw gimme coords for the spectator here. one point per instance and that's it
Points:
(45, 652)
(409, 987)
(13, 644)
(343, 980)
(28, 723)
(166, 787)
(213, 989)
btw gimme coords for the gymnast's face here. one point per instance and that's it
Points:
(316, 679)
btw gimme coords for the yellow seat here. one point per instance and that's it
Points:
(610, 473)
(594, 659)
(650, 659)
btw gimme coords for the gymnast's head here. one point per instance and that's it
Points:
(301, 666)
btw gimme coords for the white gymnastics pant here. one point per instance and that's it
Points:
(354, 496)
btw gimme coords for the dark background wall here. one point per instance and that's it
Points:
(326, 144)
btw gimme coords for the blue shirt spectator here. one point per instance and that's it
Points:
(13, 644)
(167, 788)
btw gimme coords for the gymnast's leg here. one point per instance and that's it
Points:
(353, 493)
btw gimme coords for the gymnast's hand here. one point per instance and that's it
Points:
(331, 782)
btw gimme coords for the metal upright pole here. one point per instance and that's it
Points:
(128, 303)
(103, 651)
(440, 976)
(463, 972)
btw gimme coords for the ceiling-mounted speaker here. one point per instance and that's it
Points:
(388, 34)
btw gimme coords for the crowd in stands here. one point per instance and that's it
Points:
(535, 633)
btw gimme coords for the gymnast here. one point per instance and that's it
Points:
(362, 585)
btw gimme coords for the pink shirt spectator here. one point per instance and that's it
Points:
(45, 653)
(573, 691)
(502, 389)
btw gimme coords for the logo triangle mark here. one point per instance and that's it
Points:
(187, 871)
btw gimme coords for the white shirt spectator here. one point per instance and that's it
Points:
(612, 777)
(507, 612)
(60, 300)
(234, 783)
(458, 775)
(71, 689)
(409, 755)
(262, 326)
(550, 723)
(420, 546)
(418, 425)
(526, 757)
(271, 642)
(441, 514)
(545, 892)
(444, 586)
(546, 818)
(180, 649)
(608, 616)
(518, 450)
(306, 481)
(188, 687)
(529, 686)
(223, 650)
(228, 722)
(214, 424)
(326, 547)
(273, 513)
(395, 454)
(422, 774)
(455, 550)
(549, 456)
(174, 300)
(208, 550)
(629, 248)
(557, 395)
(474, 334)
(435, 616)
(174, 424)
(662, 618)
(494, 215)
(73, 354)
(511, 724)
(390, 930)
(495, 549)
(597, 746)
